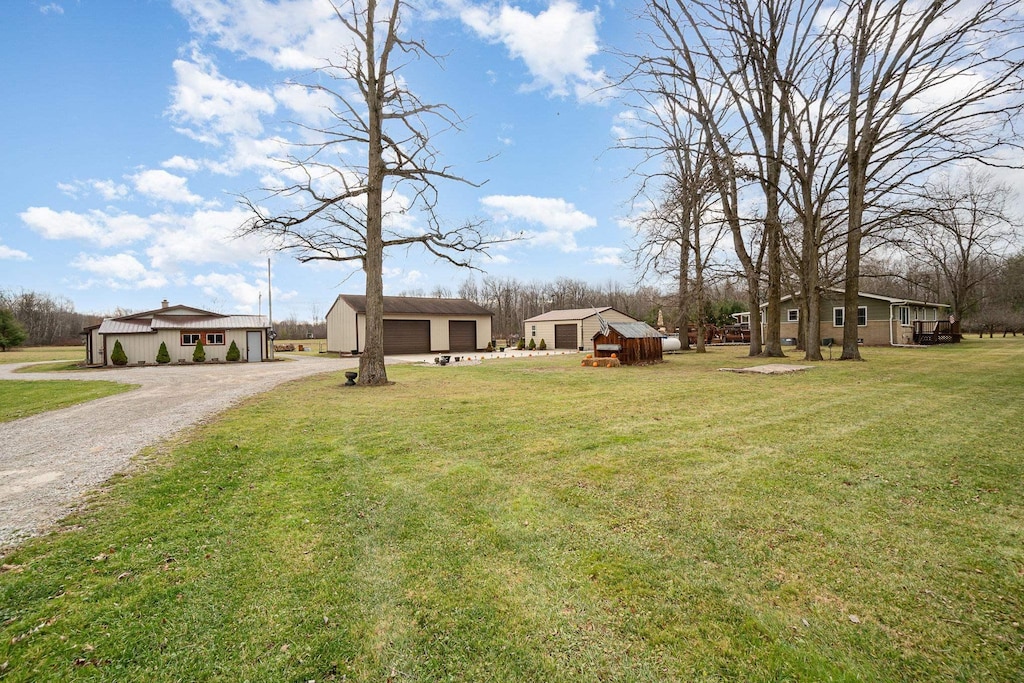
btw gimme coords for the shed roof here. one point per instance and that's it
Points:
(638, 330)
(397, 305)
(569, 314)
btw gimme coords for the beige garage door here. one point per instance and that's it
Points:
(462, 335)
(406, 336)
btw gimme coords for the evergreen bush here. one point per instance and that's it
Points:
(521, 344)
(11, 332)
(118, 356)
(532, 345)
(543, 345)
(233, 352)
(199, 355)
(162, 356)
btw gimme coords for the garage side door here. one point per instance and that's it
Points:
(406, 336)
(565, 337)
(462, 335)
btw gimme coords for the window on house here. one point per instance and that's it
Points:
(214, 338)
(837, 317)
(793, 315)
(904, 313)
(533, 330)
(189, 339)
(862, 316)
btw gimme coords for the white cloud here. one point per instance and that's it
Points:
(164, 186)
(209, 105)
(311, 106)
(556, 45)
(180, 163)
(291, 34)
(558, 219)
(52, 8)
(606, 256)
(120, 271)
(203, 237)
(96, 226)
(12, 254)
(247, 153)
(107, 189)
(110, 190)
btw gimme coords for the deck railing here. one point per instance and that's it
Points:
(929, 332)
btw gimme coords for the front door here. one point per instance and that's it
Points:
(253, 347)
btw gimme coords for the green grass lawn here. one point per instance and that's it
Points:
(31, 354)
(532, 520)
(58, 366)
(20, 399)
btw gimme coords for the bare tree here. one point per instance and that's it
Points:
(927, 84)
(961, 227)
(353, 209)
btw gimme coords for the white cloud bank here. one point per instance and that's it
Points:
(556, 45)
(559, 220)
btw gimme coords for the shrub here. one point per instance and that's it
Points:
(521, 344)
(118, 356)
(11, 332)
(543, 345)
(532, 345)
(490, 347)
(199, 355)
(233, 352)
(162, 356)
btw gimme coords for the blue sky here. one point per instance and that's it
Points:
(130, 128)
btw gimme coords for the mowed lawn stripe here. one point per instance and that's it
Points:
(536, 520)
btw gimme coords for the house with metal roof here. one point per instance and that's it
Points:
(411, 325)
(179, 327)
(572, 328)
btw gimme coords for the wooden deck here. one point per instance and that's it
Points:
(929, 332)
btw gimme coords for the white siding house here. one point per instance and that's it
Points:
(179, 327)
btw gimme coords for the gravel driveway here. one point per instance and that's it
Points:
(48, 461)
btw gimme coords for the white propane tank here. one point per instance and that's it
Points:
(670, 344)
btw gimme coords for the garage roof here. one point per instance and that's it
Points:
(569, 314)
(398, 305)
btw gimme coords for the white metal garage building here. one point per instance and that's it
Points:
(411, 325)
(572, 328)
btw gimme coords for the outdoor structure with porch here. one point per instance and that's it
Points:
(633, 343)
(179, 328)
(881, 320)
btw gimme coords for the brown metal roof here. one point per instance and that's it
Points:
(115, 326)
(167, 310)
(182, 322)
(399, 305)
(227, 322)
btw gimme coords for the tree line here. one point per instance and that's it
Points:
(44, 319)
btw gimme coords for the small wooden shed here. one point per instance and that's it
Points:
(634, 343)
